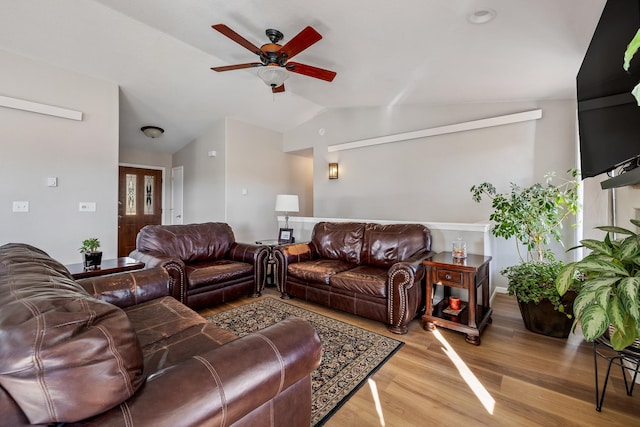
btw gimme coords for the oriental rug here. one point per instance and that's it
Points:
(350, 354)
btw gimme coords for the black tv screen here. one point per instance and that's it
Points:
(608, 115)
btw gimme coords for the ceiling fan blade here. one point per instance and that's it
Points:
(278, 89)
(236, 38)
(236, 67)
(300, 42)
(308, 70)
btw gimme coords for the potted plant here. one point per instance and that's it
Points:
(609, 296)
(92, 257)
(534, 216)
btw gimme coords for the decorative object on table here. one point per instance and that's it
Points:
(285, 236)
(608, 283)
(286, 203)
(454, 303)
(91, 256)
(459, 248)
(338, 377)
(534, 216)
(333, 171)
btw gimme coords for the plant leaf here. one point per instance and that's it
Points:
(597, 246)
(636, 93)
(593, 322)
(565, 278)
(616, 230)
(629, 292)
(624, 337)
(591, 264)
(631, 50)
(629, 248)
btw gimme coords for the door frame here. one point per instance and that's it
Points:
(163, 219)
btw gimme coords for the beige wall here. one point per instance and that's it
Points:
(83, 155)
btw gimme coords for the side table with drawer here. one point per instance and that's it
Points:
(468, 274)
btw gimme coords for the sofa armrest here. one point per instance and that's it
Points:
(222, 386)
(289, 254)
(256, 255)
(129, 288)
(404, 292)
(173, 265)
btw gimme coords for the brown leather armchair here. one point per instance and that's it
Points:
(116, 350)
(367, 269)
(207, 266)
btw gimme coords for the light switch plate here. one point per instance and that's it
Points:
(52, 181)
(87, 207)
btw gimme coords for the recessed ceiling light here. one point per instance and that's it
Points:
(482, 16)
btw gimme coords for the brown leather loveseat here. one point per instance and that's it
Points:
(118, 351)
(367, 269)
(206, 264)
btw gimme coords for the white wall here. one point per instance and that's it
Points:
(204, 177)
(428, 179)
(248, 158)
(83, 155)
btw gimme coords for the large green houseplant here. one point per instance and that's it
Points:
(534, 216)
(610, 286)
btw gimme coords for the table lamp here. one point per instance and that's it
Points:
(287, 203)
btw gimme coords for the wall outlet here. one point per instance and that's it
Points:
(87, 207)
(21, 206)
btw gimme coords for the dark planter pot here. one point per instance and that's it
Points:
(92, 260)
(541, 318)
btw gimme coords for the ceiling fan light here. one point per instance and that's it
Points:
(273, 75)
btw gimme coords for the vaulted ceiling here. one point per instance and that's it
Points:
(385, 53)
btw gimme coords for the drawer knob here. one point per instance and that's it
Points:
(447, 276)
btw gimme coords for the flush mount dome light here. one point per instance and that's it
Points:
(482, 16)
(152, 131)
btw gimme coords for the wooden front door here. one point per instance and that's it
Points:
(139, 204)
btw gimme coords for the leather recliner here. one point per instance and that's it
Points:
(207, 266)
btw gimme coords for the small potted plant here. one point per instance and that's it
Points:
(608, 301)
(534, 216)
(92, 257)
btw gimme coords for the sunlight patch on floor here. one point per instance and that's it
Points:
(376, 399)
(480, 391)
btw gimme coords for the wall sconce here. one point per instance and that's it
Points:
(333, 171)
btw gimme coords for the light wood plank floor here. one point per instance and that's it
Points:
(522, 378)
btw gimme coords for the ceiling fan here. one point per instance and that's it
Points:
(274, 62)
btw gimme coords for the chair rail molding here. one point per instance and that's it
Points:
(441, 130)
(36, 107)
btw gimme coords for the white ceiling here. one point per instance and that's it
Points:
(385, 53)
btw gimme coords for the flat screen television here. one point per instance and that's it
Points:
(608, 115)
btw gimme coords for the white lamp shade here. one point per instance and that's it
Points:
(273, 76)
(287, 203)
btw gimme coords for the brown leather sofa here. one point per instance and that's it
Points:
(367, 269)
(207, 266)
(118, 351)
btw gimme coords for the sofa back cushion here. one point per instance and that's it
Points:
(189, 242)
(64, 356)
(384, 245)
(339, 240)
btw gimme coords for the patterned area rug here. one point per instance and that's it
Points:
(350, 354)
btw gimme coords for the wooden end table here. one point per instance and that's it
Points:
(469, 274)
(108, 266)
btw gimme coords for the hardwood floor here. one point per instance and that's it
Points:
(522, 378)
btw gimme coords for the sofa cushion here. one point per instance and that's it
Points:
(317, 271)
(339, 240)
(189, 242)
(206, 273)
(385, 245)
(170, 333)
(363, 279)
(65, 356)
